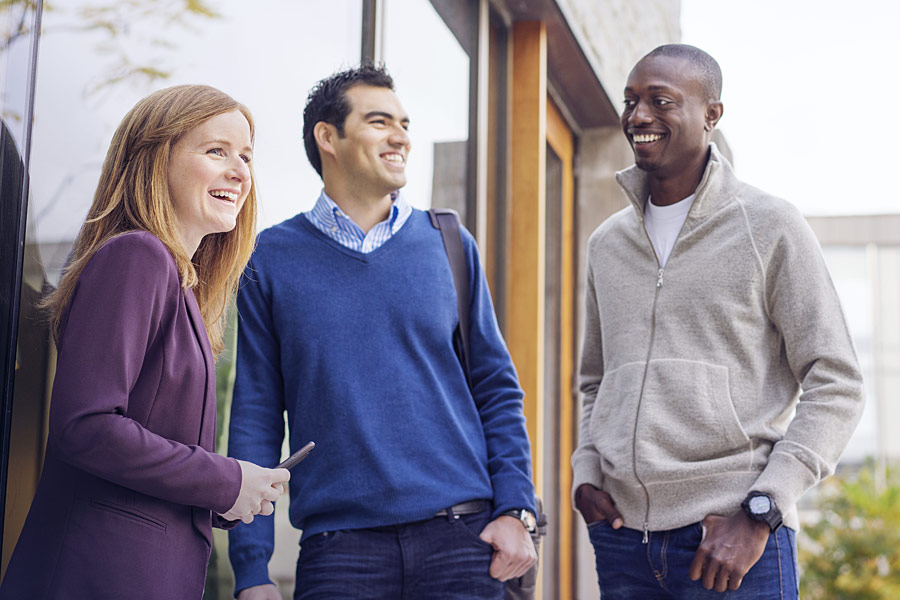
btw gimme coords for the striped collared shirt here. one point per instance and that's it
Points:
(333, 222)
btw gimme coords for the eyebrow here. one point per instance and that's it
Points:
(386, 115)
(227, 143)
(652, 88)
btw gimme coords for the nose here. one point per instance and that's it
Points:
(239, 170)
(640, 114)
(400, 137)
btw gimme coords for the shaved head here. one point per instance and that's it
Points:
(706, 67)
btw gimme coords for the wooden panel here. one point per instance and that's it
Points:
(527, 226)
(498, 118)
(560, 138)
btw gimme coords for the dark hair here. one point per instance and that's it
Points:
(327, 101)
(708, 70)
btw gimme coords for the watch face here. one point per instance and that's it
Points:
(529, 520)
(760, 505)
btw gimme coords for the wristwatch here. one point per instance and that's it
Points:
(525, 516)
(761, 507)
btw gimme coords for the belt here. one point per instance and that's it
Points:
(464, 508)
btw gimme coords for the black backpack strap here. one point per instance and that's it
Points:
(447, 221)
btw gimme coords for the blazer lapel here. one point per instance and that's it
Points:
(207, 435)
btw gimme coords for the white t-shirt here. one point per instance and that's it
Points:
(664, 223)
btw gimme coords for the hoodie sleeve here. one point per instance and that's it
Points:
(586, 462)
(804, 306)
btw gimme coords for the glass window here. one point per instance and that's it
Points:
(553, 296)
(433, 86)
(98, 57)
(16, 37)
(18, 31)
(266, 55)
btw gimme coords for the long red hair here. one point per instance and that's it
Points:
(133, 193)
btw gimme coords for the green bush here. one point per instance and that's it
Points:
(853, 550)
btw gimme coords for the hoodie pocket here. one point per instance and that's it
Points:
(688, 426)
(613, 419)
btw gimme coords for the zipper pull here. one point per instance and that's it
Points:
(659, 279)
(646, 526)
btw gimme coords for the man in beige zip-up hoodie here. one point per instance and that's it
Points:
(720, 382)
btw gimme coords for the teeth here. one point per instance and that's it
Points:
(224, 194)
(646, 138)
(396, 158)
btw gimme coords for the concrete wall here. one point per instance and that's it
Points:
(601, 152)
(616, 33)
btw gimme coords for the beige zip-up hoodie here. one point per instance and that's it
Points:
(730, 370)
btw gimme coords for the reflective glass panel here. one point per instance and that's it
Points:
(18, 32)
(430, 66)
(95, 65)
(97, 58)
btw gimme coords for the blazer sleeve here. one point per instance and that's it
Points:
(124, 298)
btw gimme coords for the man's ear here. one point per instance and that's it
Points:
(325, 134)
(714, 111)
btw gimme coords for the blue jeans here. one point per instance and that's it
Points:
(628, 568)
(441, 559)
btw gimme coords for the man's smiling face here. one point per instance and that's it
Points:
(666, 117)
(373, 146)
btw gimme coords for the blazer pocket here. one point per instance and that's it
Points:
(131, 514)
(688, 425)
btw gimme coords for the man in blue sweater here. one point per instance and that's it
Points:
(420, 484)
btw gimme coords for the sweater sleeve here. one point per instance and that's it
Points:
(804, 306)
(498, 396)
(586, 462)
(124, 297)
(256, 428)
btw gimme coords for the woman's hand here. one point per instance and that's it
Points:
(260, 488)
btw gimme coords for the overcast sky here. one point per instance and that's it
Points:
(808, 85)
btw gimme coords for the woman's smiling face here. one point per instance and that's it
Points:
(209, 176)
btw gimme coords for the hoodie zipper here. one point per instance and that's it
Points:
(659, 283)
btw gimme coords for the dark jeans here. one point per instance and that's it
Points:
(658, 570)
(441, 559)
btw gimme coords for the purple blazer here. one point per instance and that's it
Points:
(130, 477)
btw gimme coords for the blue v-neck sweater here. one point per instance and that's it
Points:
(357, 348)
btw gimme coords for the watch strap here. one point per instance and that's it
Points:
(525, 516)
(772, 517)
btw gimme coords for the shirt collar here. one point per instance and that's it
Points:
(328, 213)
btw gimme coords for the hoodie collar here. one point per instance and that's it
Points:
(716, 186)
